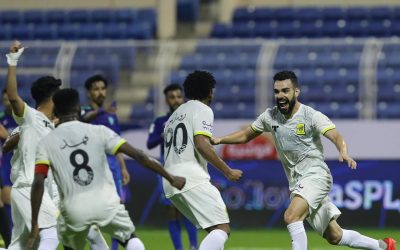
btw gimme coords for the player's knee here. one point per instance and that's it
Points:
(290, 217)
(333, 237)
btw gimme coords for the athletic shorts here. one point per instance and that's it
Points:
(22, 216)
(163, 200)
(6, 169)
(116, 172)
(120, 228)
(315, 190)
(202, 205)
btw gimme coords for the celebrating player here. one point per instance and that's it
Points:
(174, 98)
(187, 149)
(76, 153)
(296, 129)
(34, 124)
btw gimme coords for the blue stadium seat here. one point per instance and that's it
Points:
(56, 16)
(357, 13)
(307, 14)
(45, 32)
(244, 14)
(11, 17)
(91, 31)
(21, 32)
(333, 13)
(78, 16)
(114, 31)
(33, 16)
(126, 15)
(222, 31)
(142, 30)
(102, 16)
(380, 13)
(262, 14)
(68, 31)
(188, 10)
(388, 110)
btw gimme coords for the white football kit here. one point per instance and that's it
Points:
(76, 153)
(33, 125)
(300, 149)
(199, 200)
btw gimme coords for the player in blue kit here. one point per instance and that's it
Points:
(95, 113)
(174, 98)
(7, 125)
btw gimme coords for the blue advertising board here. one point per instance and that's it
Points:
(368, 196)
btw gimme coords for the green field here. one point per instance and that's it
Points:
(262, 239)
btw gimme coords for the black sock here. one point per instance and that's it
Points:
(5, 227)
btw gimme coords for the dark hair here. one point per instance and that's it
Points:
(66, 101)
(198, 85)
(96, 78)
(44, 88)
(172, 87)
(4, 91)
(286, 74)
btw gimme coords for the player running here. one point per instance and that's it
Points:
(296, 129)
(173, 98)
(76, 153)
(187, 150)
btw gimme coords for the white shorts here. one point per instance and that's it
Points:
(120, 228)
(315, 190)
(202, 205)
(22, 215)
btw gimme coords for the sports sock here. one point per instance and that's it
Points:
(48, 239)
(298, 235)
(174, 228)
(354, 239)
(5, 230)
(135, 244)
(96, 240)
(114, 244)
(8, 209)
(215, 240)
(192, 232)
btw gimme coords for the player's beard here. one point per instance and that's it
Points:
(290, 103)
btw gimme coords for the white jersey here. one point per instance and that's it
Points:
(33, 125)
(180, 154)
(76, 153)
(297, 140)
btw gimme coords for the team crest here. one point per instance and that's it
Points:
(300, 129)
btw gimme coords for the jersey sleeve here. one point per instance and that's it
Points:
(261, 123)
(155, 134)
(27, 116)
(203, 123)
(112, 141)
(322, 123)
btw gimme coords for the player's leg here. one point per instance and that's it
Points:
(174, 226)
(7, 184)
(203, 205)
(122, 229)
(192, 232)
(96, 239)
(335, 235)
(294, 217)
(4, 222)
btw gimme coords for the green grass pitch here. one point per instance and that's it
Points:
(259, 239)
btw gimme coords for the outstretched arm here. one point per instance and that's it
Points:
(17, 104)
(336, 138)
(36, 201)
(205, 148)
(152, 164)
(11, 143)
(241, 136)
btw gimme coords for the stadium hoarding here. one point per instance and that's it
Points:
(368, 196)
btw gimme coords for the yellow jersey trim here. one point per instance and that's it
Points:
(327, 129)
(203, 133)
(23, 113)
(119, 144)
(42, 162)
(254, 129)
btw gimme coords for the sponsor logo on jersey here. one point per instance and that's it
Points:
(300, 129)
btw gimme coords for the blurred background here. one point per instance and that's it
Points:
(346, 55)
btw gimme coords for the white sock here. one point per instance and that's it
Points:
(135, 244)
(354, 239)
(215, 240)
(96, 240)
(298, 235)
(48, 239)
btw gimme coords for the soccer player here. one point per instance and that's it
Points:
(34, 124)
(95, 113)
(187, 149)
(173, 98)
(76, 153)
(297, 129)
(7, 125)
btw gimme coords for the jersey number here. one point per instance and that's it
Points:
(171, 139)
(81, 166)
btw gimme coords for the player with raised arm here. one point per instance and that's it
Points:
(34, 124)
(174, 98)
(76, 153)
(297, 129)
(187, 149)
